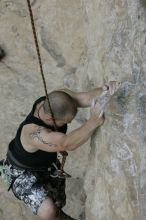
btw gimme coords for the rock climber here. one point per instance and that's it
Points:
(32, 166)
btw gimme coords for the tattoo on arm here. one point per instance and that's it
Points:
(37, 137)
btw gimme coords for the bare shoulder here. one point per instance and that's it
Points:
(31, 129)
(38, 137)
(25, 137)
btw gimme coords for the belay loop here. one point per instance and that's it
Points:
(64, 154)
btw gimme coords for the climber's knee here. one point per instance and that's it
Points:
(47, 210)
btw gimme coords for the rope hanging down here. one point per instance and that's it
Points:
(64, 154)
(40, 61)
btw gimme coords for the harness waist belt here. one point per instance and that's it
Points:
(12, 160)
(53, 170)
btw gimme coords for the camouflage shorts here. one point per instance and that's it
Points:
(34, 187)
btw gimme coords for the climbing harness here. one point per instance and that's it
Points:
(54, 170)
(61, 173)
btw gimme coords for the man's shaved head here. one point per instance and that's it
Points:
(62, 104)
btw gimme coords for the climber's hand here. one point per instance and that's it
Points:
(112, 86)
(96, 113)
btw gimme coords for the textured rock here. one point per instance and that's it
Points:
(116, 174)
(83, 43)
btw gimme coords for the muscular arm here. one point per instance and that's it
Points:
(56, 141)
(46, 140)
(83, 99)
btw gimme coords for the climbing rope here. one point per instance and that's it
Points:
(64, 154)
(40, 61)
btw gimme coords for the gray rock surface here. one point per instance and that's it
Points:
(83, 44)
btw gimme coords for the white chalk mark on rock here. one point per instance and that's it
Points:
(123, 152)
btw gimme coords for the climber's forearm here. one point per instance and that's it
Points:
(79, 136)
(93, 94)
(84, 99)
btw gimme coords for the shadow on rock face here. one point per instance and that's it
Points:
(33, 2)
(143, 2)
(1, 214)
(53, 48)
(141, 104)
(82, 216)
(120, 102)
(2, 54)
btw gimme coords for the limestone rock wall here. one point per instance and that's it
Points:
(116, 171)
(83, 43)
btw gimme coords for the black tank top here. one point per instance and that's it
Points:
(39, 158)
